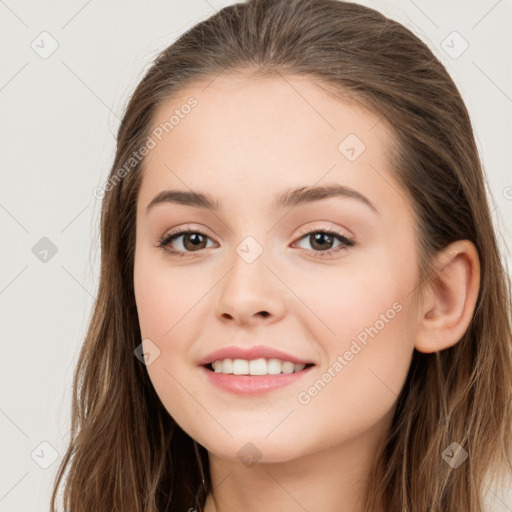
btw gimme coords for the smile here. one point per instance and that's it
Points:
(254, 377)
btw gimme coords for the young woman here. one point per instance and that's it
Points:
(301, 303)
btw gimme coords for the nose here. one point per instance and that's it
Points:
(250, 293)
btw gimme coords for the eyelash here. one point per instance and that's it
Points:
(345, 242)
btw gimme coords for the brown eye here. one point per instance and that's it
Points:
(192, 241)
(321, 242)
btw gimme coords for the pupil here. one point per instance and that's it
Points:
(193, 240)
(322, 239)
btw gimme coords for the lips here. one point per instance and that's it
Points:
(249, 353)
(253, 385)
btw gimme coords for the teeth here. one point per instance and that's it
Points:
(240, 367)
(260, 366)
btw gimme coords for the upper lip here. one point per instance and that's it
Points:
(254, 352)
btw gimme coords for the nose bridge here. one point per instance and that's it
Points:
(249, 287)
(249, 272)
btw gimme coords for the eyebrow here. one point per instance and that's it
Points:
(290, 198)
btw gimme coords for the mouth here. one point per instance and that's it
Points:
(254, 377)
(305, 367)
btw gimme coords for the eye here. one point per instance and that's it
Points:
(323, 240)
(193, 240)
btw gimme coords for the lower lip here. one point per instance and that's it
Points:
(253, 384)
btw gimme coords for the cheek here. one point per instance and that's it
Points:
(369, 342)
(367, 364)
(163, 295)
(168, 304)
(343, 303)
(369, 299)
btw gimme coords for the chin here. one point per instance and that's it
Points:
(254, 446)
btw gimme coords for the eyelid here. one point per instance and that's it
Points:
(338, 231)
(189, 227)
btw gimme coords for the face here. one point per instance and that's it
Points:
(326, 280)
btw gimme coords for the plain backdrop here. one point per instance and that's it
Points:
(67, 70)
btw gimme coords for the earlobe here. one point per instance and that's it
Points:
(450, 302)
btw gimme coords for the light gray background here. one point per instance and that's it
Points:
(59, 117)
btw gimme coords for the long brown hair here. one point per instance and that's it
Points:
(125, 451)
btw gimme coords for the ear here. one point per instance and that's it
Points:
(450, 301)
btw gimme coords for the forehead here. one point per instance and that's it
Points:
(260, 132)
(262, 106)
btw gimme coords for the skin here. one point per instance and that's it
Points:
(246, 140)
